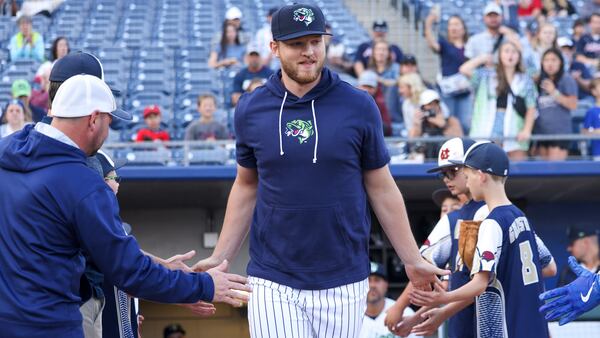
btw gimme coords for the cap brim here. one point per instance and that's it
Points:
(119, 163)
(123, 115)
(115, 92)
(379, 274)
(436, 169)
(301, 34)
(457, 162)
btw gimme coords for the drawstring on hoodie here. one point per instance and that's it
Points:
(281, 113)
(312, 105)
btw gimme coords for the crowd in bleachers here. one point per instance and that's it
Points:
(181, 69)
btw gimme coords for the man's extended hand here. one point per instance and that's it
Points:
(572, 300)
(177, 262)
(423, 274)
(229, 288)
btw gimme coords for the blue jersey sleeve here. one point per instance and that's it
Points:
(119, 257)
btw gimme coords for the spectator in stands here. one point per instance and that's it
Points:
(234, 16)
(60, 48)
(530, 8)
(589, 8)
(588, 47)
(153, 131)
(39, 94)
(578, 30)
(431, 119)
(544, 39)
(382, 64)
(174, 331)
(488, 41)
(254, 69)
(591, 124)
(585, 248)
(14, 118)
(364, 51)
(230, 51)
(206, 128)
(504, 99)
(558, 8)
(26, 44)
(557, 98)
(262, 40)
(369, 82)
(21, 90)
(578, 70)
(410, 87)
(454, 86)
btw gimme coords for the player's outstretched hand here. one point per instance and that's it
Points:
(177, 262)
(201, 309)
(423, 274)
(574, 299)
(206, 264)
(433, 319)
(433, 298)
(229, 288)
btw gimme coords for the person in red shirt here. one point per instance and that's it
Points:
(530, 7)
(152, 131)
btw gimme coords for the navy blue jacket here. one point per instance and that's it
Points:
(311, 223)
(53, 207)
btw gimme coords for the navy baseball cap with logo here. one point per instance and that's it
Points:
(76, 63)
(487, 157)
(378, 270)
(298, 20)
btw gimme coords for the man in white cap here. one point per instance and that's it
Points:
(59, 207)
(488, 41)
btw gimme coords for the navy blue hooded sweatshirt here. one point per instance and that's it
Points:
(311, 223)
(53, 207)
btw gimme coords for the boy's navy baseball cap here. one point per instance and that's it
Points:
(76, 63)
(487, 157)
(294, 21)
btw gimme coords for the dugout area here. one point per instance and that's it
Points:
(170, 210)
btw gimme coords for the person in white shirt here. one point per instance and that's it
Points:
(378, 304)
(15, 118)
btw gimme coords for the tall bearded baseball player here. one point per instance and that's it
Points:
(310, 151)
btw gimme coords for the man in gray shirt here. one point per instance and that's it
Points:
(485, 42)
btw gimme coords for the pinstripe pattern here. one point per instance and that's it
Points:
(275, 310)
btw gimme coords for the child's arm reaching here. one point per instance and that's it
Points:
(465, 293)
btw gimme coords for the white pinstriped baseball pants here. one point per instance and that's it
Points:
(276, 310)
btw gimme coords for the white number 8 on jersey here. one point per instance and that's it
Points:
(528, 269)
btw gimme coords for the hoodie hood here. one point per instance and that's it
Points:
(328, 81)
(28, 150)
(275, 85)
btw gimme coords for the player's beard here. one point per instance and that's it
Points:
(374, 296)
(291, 70)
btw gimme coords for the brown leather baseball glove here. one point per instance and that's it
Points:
(467, 241)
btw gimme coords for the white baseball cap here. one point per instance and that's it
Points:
(83, 94)
(492, 7)
(428, 96)
(564, 41)
(453, 149)
(233, 13)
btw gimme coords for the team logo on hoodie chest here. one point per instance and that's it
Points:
(300, 129)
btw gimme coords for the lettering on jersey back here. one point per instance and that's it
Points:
(517, 227)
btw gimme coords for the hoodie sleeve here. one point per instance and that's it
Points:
(244, 152)
(118, 256)
(374, 153)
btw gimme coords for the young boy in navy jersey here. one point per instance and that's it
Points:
(441, 248)
(506, 273)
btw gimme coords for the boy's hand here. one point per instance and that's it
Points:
(429, 298)
(393, 316)
(433, 319)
